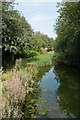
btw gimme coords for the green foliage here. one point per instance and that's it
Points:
(14, 30)
(68, 33)
(28, 54)
(18, 39)
(23, 80)
(16, 33)
(42, 41)
(42, 59)
(42, 112)
(68, 90)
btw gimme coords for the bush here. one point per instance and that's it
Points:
(28, 54)
(15, 88)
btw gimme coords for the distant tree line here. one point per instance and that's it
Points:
(67, 43)
(42, 41)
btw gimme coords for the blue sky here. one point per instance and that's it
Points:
(40, 15)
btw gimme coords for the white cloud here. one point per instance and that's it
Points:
(42, 23)
(40, 18)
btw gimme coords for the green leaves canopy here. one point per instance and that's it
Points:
(42, 41)
(16, 32)
(68, 32)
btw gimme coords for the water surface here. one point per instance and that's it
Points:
(56, 94)
(59, 93)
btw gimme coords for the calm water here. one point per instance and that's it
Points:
(58, 95)
(59, 92)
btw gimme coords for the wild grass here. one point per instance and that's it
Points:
(42, 59)
(17, 83)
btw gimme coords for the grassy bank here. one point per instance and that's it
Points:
(20, 81)
(39, 60)
(17, 83)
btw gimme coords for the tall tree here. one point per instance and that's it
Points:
(68, 33)
(16, 33)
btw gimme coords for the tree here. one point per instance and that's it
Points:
(68, 33)
(16, 33)
(42, 41)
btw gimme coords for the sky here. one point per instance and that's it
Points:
(40, 15)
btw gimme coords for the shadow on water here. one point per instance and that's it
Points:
(68, 90)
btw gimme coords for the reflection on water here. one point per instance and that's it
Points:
(56, 94)
(60, 93)
(30, 103)
(68, 90)
(49, 86)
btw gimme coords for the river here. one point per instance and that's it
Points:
(59, 92)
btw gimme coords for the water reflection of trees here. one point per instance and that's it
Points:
(29, 105)
(42, 70)
(68, 91)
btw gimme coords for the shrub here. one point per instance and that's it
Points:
(28, 54)
(15, 89)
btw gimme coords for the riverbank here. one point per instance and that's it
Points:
(22, 77)
(42, 59)
(41, 90)
(38, 60)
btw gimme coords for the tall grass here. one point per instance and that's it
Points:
(17, 83)
(42, 59)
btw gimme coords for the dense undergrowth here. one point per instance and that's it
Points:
(17, 83)
(20, 83)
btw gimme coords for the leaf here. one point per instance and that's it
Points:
(42, 112)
